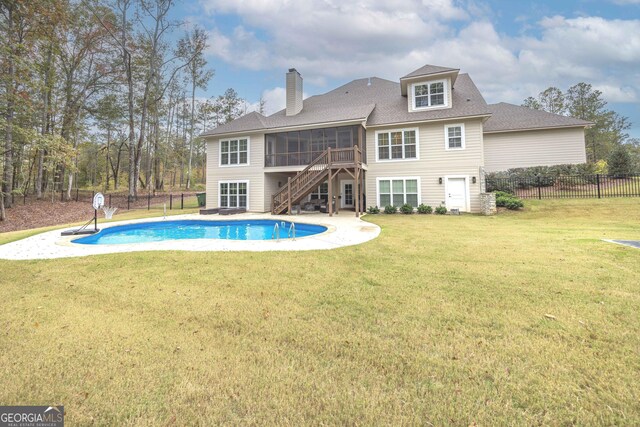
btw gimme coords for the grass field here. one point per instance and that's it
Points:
(526, 318)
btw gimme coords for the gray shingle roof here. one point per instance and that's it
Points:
(466, 102)
(429, 69)
(251, 121)
(376, 101)
(509, 117)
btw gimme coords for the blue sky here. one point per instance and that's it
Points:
(512, 49)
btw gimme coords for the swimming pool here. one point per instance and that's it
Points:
(157, 231)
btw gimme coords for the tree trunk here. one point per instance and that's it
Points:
(126, 58)
(7, 175)
(108, 160)
(3, 215)
(193, 101)
(45, 120)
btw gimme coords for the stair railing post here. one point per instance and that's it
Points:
(289, 195)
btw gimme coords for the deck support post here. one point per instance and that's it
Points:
(289, 195)
(356, 184)
(361, 194)
(330, 188)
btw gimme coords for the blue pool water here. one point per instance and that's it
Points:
(196, 229)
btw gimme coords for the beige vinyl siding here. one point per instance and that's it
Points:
(508, 150)
(271, 181)
(254, 172)
(435, 162)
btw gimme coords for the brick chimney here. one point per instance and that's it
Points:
(294, 92)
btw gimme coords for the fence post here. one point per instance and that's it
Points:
(128, 201)
(170, 201)
(181, 200)
(539, 188)
(598, 182)
(148, 201)
(62, 194)
(77, 191)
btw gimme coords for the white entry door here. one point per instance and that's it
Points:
(456, 193)
(348, 193)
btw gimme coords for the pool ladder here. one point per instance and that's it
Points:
(291, 234)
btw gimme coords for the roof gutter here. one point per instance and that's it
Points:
(287, 128)
(444, 119)
(587, 125)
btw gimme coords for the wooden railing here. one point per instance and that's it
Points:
(310, 177)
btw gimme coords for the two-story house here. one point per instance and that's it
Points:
(373, 142)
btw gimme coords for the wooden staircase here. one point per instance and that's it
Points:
(313, 175)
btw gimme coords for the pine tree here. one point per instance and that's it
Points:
(620, 162)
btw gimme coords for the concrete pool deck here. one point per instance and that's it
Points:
(343, 230)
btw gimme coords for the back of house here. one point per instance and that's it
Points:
(427, 139)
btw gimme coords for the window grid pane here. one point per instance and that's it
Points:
(398, 192)
(412, 199)
(234, 152)
(411, 186)
(397, 145)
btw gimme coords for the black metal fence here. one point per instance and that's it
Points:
(567, 186)
(122, 201)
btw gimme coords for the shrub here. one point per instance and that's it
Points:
(373, 210)
(406, 209)
(441, 210)
(508, 201)
(514, 204)
(424, 209)
(390, 209)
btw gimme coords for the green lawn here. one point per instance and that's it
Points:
(524, 318)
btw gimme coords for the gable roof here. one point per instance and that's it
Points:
(374, 101)
(510, 117)
(427, 72)
(429, 69)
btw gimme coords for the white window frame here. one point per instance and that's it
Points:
(235, 165)
(445, 83)
(403, 159)
(446, 136)
(233, 181)
(467, 191)
(396, 178)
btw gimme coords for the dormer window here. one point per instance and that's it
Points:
(427, 95)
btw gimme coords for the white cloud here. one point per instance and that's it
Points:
(626, 2)
(388, 39)
(274, 100)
